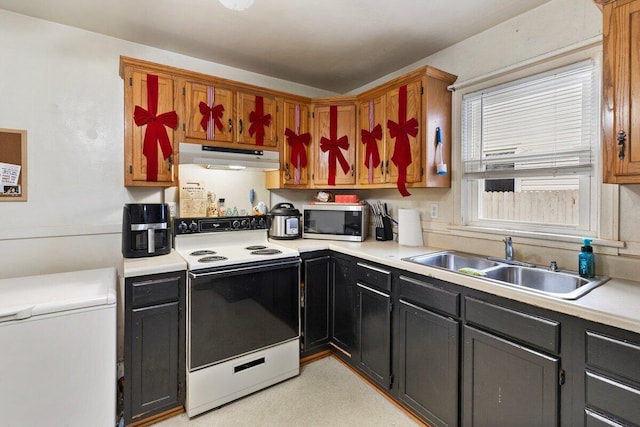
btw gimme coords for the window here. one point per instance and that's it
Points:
(529, 152)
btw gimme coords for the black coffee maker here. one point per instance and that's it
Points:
(145, 230)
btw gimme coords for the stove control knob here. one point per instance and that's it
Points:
(193, 226)
(236, 224)
(254, 222)
(261, 223)
(244, 224)
(182, 227)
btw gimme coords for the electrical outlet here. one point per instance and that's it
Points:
(434, 210)
(173, 209)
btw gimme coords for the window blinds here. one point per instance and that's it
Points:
(542, 125)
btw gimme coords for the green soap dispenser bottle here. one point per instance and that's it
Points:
(586, 260)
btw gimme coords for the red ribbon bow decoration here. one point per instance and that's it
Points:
(297, 142)
(214, 112)
(333, 144)
(155, 131)
(259, 120)
(371, 147)
(401, 131)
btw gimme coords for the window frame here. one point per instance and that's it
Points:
(590, 195)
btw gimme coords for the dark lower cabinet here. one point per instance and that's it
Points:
(154, 350)
(506, 384)
(612, 379)
(452, 355)
(374, 334)
(343, 303)
(428, 378)
(316, 279)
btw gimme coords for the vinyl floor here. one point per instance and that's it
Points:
(325, 394)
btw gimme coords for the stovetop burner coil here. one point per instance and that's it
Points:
(213, 258)
(255, 247)
(266, 251)
(203, 252)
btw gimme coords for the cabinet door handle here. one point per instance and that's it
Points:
(240, 128)
(230, 125)
(353, 170)
(287, 174)
(382, 294)
(622, 137)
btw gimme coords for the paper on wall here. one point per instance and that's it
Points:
(193, 199)
(9, 174)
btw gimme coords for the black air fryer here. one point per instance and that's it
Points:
(145, 230)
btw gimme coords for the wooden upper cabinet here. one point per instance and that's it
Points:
(241, 111)
(247, 104)
(345, 126)
(436, 113)
(293, 173)
(213, 97)
(413, 111)
(428, 101)
(372, 115)
(136, 163)
(621, 92)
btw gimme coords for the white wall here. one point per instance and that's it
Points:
(546, 30)
(61, 84)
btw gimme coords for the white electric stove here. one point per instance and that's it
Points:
(243, 308)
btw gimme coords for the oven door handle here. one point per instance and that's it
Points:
(232, 270)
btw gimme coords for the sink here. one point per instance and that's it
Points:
(558, 284)
(454, 261)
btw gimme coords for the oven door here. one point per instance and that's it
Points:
(239, 309)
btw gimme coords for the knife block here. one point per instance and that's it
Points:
(385, 232)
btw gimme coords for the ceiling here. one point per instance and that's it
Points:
(336, 45)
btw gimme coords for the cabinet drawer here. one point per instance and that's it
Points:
(592, 419)
(155, 291)
(540, 332)
(373, 276)
(612, 397)
(614, 356)
(429, 296)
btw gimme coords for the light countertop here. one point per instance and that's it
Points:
(615, 303)
(153, 265)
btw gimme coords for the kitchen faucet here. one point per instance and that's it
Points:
(508, 248)
(508, 255)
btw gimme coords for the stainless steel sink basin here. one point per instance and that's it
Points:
(453, 261)
(558, 284)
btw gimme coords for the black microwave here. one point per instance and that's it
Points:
(336, 222)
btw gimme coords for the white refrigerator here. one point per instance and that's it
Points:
(58, 349)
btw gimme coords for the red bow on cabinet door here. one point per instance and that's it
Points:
(371, 154)
(258, 121)
(369, 138)
(401, 131)
(297, 142)
(155, 132)
(333, 145)
(211, 113)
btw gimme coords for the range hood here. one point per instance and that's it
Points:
(228, 158)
